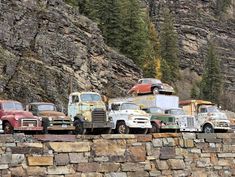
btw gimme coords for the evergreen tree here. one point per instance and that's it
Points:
(211, 84)
(195, 91)
(169, 48)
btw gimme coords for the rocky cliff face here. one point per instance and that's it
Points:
(47, 48)
(196, 22)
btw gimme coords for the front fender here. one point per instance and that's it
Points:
(158, 122)
(11, 119)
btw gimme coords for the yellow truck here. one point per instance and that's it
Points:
(88, 112)
(208, 117)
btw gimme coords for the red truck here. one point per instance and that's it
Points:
(15, 119)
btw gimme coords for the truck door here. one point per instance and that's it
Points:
(114, 113)
(73, 106)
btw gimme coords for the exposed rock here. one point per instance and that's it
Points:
(196, 22)
(46, 47)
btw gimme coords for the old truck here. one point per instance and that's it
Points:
(209, 118)
(88, 112)
(151, 104)
(52, 120)
(160, 121)
(128, 117)
(15, 119)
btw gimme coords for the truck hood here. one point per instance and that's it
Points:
(135, 112)
(53, 114)
(19, 114)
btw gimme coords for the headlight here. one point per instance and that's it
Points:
(62, 117)
(50, 118)
(110, 119)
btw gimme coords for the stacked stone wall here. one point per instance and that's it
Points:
(187, 154)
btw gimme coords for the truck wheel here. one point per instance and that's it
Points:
(155, 128)
(122, 128)
(155, 91)
(8, 129)
(79, 129)
(208, 129)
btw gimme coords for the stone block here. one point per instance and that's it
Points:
(226, 155)
(199, 173)
(118, 136)
(17, 159)
(18, 171)
(138, 174)
(115, 174)
(144, 138)
(77, 158)
(225, 135)
(36, 145)
(132, 167)
(162, 165)
(154, 173)
(188, 143)
(70, 146)
(189, 136)
(108, 167)
(101, 159)
(167, 153)
(5, 158)
(176, 164)
(157, 142)
(40, 160)
(206, 135)
(26, 150)
(166, 135)
(168, 142)
(36, 171)
(55, 138)
(4, 166)
(136, 154)
(61, 159)
(60, 170)
(203, 162)
(223, 162)
(213, 140)
(109, 147)
(87, 167)
(91, 175)
(196, 151)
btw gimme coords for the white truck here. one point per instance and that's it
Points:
(208, 117)
(127, 116)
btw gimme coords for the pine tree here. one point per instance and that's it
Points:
(169, 48)
(195, 91)
(211, 84)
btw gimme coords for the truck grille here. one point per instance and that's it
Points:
(98, 115)
(29, 123)
(61, 122)
(140, 120)
(190, 122)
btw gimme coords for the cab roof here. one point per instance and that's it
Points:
(4, 101)
(38, 103)
(185, 102)
(79, 93)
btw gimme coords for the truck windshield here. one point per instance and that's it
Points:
(129, 106)
(155, 110)
(46, 107)
(12, 106)
(212, 109)
(90, 97)
(175, 112)
(155, 81)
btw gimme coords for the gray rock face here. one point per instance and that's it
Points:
(48, 49)
(196, 22)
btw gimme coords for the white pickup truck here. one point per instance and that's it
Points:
(128, 117)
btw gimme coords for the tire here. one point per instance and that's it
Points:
(155, 128)
(208, 128)
(45, 124)
(79, 129)
(8, 129)
(155, 91)
(122, 128)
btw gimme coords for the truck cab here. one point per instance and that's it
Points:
(127, 116)
(52, 120)
(88, 112)
(207, 114)
(14, 118)
(185, 122)
(160, 121)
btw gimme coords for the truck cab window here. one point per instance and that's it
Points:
(75, 99)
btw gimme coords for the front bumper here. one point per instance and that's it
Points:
(61, 127)
(222, 128)
(28, 128)
(139, 124)
(97, 125)
(175, 127)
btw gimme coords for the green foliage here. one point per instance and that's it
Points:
(211, 84)
(72, 2)
(195, 92)
(169, 48)
(221, 6)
